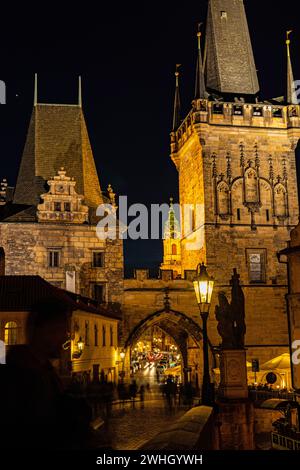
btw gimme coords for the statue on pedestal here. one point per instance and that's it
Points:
(231, 316)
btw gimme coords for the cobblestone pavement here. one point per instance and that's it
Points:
(130, 427)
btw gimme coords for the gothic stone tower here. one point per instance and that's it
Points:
(49, 227)
(235, 156)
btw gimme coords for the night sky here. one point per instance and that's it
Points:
(126, 53)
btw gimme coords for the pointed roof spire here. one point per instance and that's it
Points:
(79, 92)
(200, 83)
(177, 106)
(35, 100)
(229, 61)
(172, 226)
(291, 94)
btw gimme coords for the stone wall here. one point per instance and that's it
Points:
(263, 420)
(27, 245)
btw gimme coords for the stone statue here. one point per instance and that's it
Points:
(231, 316)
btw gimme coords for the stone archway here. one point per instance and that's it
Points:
(177, 325)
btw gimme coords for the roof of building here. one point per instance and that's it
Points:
(57, 137)
(22, 293)
(230, 65)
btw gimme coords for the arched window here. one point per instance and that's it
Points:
(174, 249)
(11, 333)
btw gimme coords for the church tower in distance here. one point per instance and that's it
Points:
(172, 244)
(235, 156)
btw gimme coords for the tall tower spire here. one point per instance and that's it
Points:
(230, 66)
(79, 92)
(177, 106)
(200, 83)
(172, 243)
(291, 94)
(35, 89)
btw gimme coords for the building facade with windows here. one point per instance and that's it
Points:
(48, 223)
(91, 331)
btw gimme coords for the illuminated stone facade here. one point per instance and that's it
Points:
(236, 161)
(237, 167)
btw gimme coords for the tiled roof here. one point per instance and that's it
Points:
(57, 137)
(230, 65)
(22, 293)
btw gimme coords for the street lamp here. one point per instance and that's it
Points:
(122, 355)
(79, 350)
(203, 285)
(80, 345)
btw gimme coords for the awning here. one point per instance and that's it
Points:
(282, 362)
(277, 404)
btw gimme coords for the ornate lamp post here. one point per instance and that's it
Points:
(79, 349)
(80, 345)
(203, 285)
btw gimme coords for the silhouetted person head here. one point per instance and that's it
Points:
(48, 326)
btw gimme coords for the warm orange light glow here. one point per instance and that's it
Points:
(122, 355)
(203, 286)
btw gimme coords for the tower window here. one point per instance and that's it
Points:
(224, 15)
(174, 250)
(238, 110)
(98, 259)
(54, 258)
(57, 206)
(11, 333)
(217, 109)
(268, 215)
(238, 214)
(257, 111)
(277, 113)
(99, 293)
(67, 206)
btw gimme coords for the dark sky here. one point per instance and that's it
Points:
(126, 53)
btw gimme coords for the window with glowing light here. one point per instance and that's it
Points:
(11, 333)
